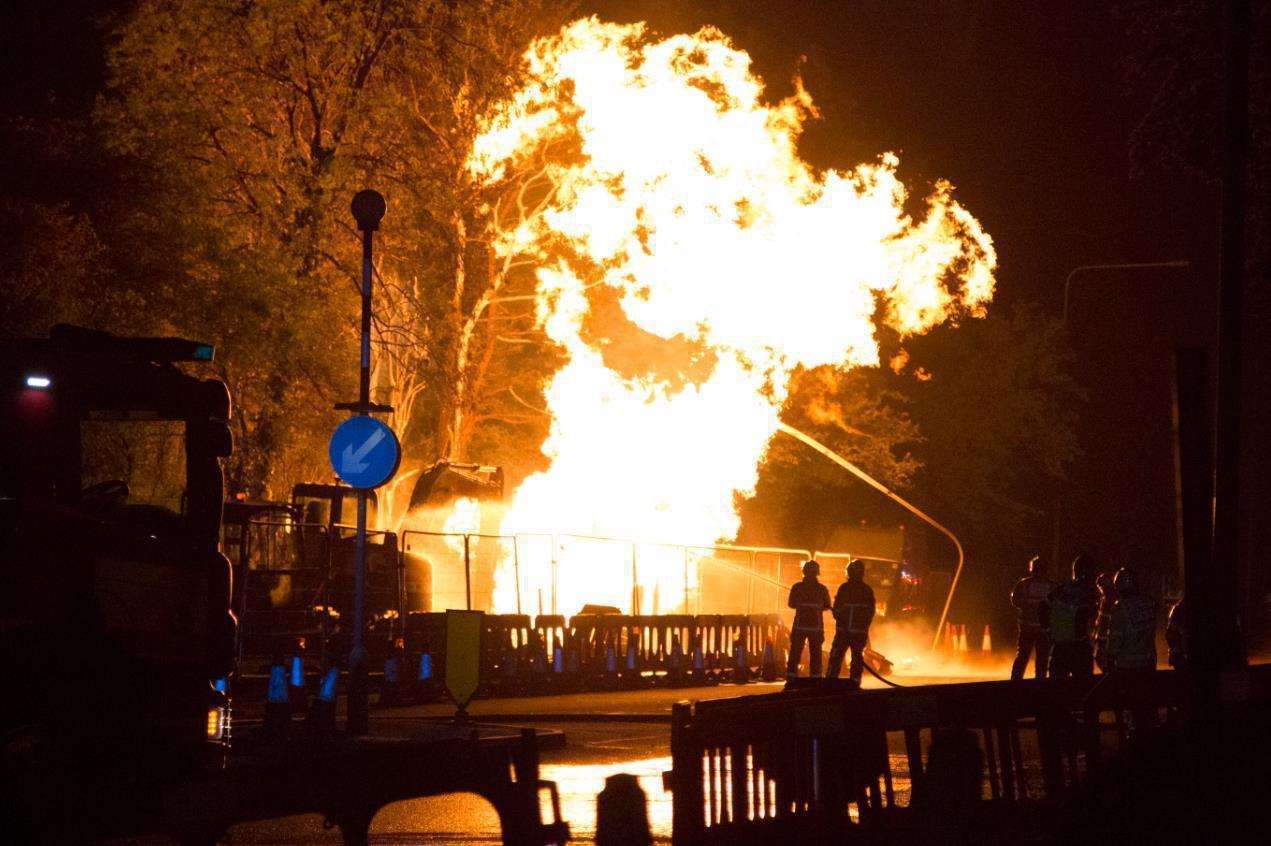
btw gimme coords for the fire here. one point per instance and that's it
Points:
(684, 216)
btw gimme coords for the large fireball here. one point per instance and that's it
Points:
(683, 217)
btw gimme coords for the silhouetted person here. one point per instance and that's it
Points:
(853, 612)
(1176, 635)
(1029, 598)
(1132, 629)
(1132, 638)
(809, 599)
(1072, 608)
(1103, 619)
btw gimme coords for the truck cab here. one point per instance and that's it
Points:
(114, 597)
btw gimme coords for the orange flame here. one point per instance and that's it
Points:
(684, 202)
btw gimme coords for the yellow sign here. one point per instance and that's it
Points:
(463, 655)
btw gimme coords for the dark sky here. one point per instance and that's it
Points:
(1026, 107)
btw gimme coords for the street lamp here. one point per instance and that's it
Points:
(1137, 265)
(1134, 265)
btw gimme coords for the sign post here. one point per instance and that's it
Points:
(364, 453)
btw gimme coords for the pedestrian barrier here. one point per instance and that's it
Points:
(294, 580)
(767, 768)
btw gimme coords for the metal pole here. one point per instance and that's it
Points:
(1226, 593)
(368, 209)
(467, 569)
(516, 571)
(750, 590)
(686, 580)
(635, 582)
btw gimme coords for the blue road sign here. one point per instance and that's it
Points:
(364, 452)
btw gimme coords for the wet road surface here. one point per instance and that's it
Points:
(599, 744)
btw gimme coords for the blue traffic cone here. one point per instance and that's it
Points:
(277, 706)
(741, 671)
(769, 664)
(296, 684)
(322, 714)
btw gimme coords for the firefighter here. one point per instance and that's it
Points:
(1072, 608)
(1176, 635)
(1132, 640)
(1107, 598)
(1132, 629)
(809, 599)
(853, 612)
(1029, 598)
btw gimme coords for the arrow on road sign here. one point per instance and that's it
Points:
(364, 452)
(353, 461)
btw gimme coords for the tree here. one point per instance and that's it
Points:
(258, 122)
(998, 407)
(801, 498)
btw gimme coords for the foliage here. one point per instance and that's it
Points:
(258, 122)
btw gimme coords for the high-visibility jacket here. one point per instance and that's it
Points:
(854, 608)
(809, 599)
(1029, 598)
(1132, 633)
(1072, 609)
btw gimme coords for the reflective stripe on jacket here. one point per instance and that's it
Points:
(854, 608)
(809, 599)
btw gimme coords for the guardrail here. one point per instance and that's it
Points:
(769, 768)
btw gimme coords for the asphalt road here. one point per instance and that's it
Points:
(600, 743)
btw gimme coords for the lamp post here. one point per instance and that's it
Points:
(1072, 274)
(368, 209)
(1136, 265)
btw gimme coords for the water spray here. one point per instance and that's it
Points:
(895, 497)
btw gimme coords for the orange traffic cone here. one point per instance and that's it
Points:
(962, 645)
(986, 642)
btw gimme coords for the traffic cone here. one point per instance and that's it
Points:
(392, 677)
(424, 682)
(632, 672)
(986, 642)
(962, 644)
(769, 664)
(675, 661)
(950, 637)
(322, 714)
(277, 706)
(296, 684)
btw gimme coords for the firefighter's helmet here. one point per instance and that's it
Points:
(811, 568)
(1125, 580)
(856, 569)
(1036, 566)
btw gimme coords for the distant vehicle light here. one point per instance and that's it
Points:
(35, 380)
